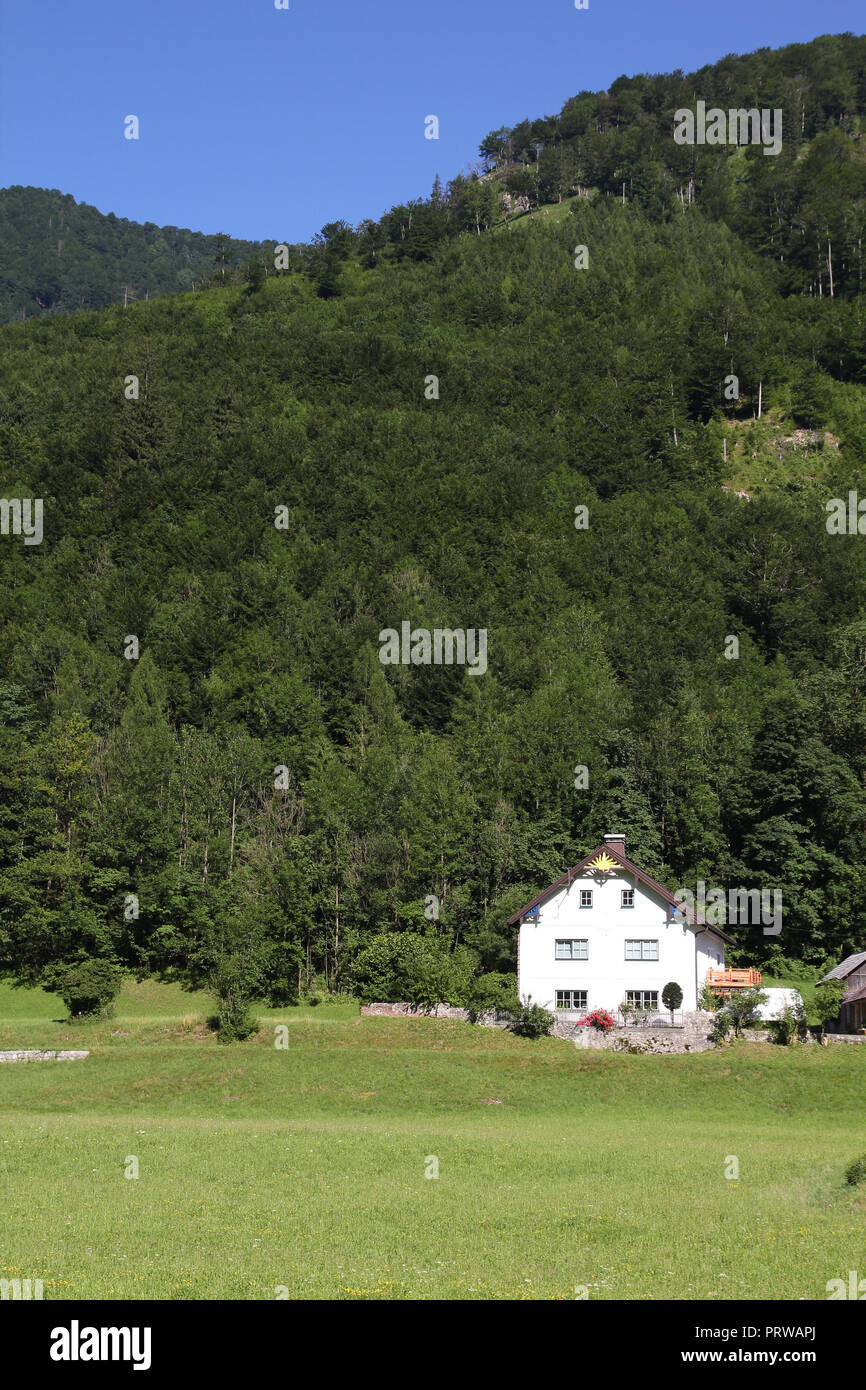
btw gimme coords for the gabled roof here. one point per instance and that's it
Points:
(848, 964)
(610, 848)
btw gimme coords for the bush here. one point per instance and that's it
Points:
(421, 970)
(828, 1001)
(532, 1020)
(738, 1013)
(492, 991)
(380, 971)
(672, 998)
(432, 976)
(790, 1027)
(742, 1009)
(88, 988)
(600, 1019)
(721, 1028)
(708, 1001)
(235, 1019)
(856, 1171)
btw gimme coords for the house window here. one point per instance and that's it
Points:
(571, 998)
(586, 897)
(627, 897)
(641, 950)
(572, 950)
(643, 998)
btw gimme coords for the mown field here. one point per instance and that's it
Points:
(266, 1170)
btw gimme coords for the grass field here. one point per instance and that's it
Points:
(303, 1169)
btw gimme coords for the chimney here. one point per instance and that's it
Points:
(616, 842)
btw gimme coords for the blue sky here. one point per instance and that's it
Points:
(267, 124)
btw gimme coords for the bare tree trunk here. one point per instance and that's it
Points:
(337, 932)
(830, 265)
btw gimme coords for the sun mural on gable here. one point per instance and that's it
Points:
(602, 863)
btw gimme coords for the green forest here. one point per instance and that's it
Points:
(60, 256)
(612, 463)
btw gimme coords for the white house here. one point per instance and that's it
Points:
(606, 934)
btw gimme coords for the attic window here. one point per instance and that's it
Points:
(627, 897)
(586, 897)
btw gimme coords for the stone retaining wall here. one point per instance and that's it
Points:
(693, 1036)
(29, 1055)
(412, 1011)
(490, 1018)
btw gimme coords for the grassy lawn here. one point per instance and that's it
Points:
(304, 1167)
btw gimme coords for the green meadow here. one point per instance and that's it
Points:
(267, 1172)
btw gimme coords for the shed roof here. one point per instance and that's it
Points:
(848, 964)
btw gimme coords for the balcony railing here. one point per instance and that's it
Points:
(748, 978)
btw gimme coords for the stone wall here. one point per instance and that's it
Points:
(28, 1055)
(490, 1018)
(412, 1011)
(693, 1036)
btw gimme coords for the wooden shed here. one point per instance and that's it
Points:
(852, 1015)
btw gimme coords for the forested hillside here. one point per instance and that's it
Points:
(802, 203)
(58, 256)
(290, 481)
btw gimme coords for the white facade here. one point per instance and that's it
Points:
(777, 1001)
(624, 943)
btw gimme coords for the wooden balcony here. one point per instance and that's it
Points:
(721, 981)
